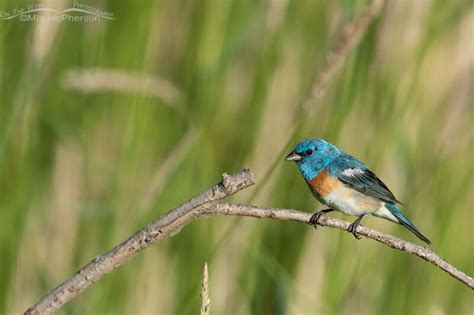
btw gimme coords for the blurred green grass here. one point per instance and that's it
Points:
(76, 167)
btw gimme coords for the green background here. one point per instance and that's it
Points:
(91, 151)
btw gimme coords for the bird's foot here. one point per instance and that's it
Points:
(353, 228)
(315, 217)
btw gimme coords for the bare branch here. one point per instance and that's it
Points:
(167, 225)
(206, 204)
(325, 220)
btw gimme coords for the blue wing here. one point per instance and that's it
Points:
(357, 175)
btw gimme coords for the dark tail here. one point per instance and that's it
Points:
(406, 223)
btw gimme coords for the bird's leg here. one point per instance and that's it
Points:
(353, 227)
(315, 217)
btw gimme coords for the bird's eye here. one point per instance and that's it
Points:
(309, 152)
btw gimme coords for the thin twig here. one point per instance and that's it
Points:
(325, 220)
(206, 204)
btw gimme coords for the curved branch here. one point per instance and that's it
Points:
(207, 204)
(325, 220)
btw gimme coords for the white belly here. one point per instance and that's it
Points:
(354, 203)
(351, 202)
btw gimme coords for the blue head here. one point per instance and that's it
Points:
(312, 155)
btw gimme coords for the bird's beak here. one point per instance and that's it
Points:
(293, 157)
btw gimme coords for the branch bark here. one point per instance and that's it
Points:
(325, 220)
(207, 204)
(167, 225)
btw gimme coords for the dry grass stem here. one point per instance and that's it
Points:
(106, 80)
(205, 299)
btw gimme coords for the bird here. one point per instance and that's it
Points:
(344, 183)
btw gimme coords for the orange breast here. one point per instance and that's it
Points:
(323, 184)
